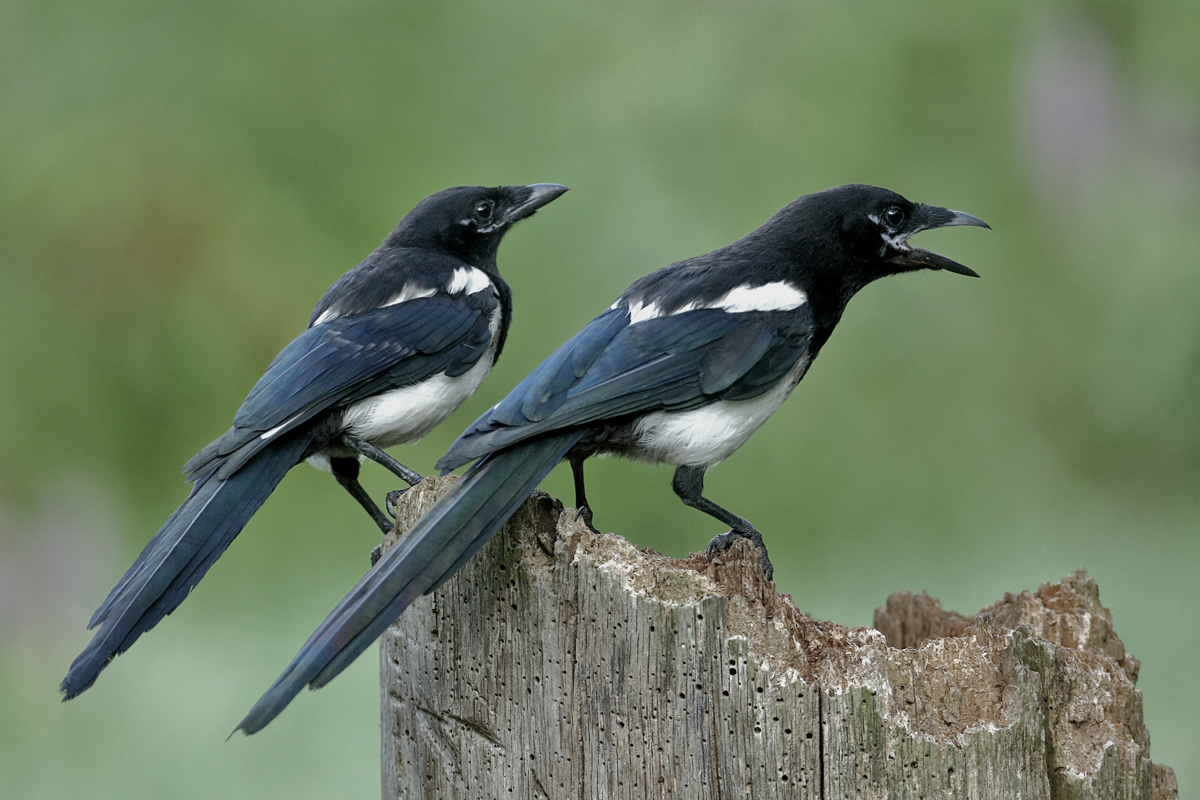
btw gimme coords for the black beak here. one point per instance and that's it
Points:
(928, 217)
(539, 194)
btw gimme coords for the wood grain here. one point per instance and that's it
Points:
(564, 664)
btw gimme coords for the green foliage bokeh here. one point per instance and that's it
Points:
(179, 183)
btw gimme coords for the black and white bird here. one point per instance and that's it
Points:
(681, 369)
(393, 347)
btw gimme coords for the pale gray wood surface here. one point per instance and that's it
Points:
(564, 664)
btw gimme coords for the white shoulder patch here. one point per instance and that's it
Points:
(777, 296)
(640, 313)
(468, 280)
(326, 315)
(409, 292)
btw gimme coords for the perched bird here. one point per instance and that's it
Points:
(681, 369)
(393, 347)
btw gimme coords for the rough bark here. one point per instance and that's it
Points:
(564, 664)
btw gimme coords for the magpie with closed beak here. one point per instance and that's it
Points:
(393, 347)
(681, 369)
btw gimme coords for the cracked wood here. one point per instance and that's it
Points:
(562, 664)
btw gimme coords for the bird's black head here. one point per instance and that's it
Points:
(876, 226)
(469, 221)
(846, 237)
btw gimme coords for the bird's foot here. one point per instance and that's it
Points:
(393, 499)
(376, 554)
(720, 544)
(584, 512)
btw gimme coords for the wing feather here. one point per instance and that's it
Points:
(350, 358)
(613, 369)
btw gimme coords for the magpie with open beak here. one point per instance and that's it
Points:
(681, 369)
(393, 347)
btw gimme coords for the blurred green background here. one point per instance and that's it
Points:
(180, 182)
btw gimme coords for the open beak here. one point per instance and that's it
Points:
(539, 195)
(928, 217)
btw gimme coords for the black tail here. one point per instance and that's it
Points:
(179, 555)
(434, 549)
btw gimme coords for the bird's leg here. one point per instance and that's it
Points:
(582, 509)
(346, 472)
(688, 483)
(383, 459)
(392, 465)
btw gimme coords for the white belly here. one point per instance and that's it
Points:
(409, 412)
(708, 435)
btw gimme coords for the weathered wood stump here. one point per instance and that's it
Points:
(564, 664)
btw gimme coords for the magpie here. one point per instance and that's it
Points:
(392, 348)
(681, 369)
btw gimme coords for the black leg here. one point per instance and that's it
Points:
(346, 472)
(582, 509)
(688, 483)
(383, 459)
(392, 465)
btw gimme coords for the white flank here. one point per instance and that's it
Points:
(409, 412)
(777, 296)
(708, 435)
(321, 461)
(468, 280)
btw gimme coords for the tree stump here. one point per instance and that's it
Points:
(564, 664)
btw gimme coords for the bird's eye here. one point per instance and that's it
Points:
(893, 216)
(483, 210)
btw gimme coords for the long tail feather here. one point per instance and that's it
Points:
(178, 556)
(440, 542)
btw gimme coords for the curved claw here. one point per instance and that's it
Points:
(393, 498)
(585, 513)
(720, 544)
(724, 541)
